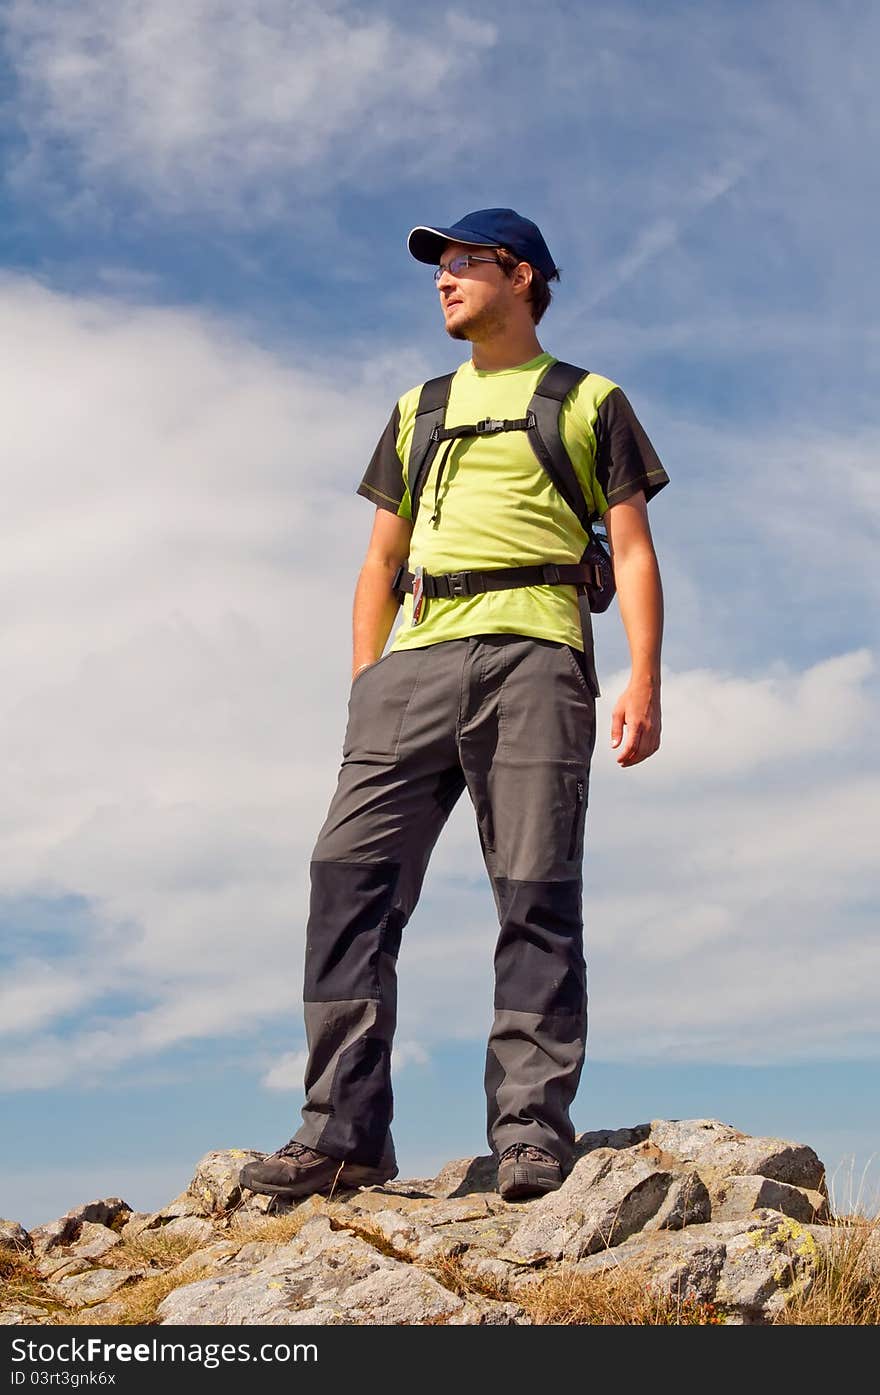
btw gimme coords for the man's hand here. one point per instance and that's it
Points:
(641, 609)
(638, 709)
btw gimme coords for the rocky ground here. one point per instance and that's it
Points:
(711, 1218)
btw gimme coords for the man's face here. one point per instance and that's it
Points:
(477, 302)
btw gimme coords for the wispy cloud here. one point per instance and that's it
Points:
(223, 103)
(659, 236)
(287, 1072)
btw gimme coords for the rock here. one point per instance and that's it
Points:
(255, 1203)
(15, 1236)
(607, 1196)
(183, 1205)
(467, 1175)
(321, 1277)
(253, 1253)
(492, 1233)
(748, 1268)
(611, 1138)
(94, 1241)
(93, 1286)
(705, 1213)
(25, 1314)
(60, 1232)
(681, 1264)
(192, 1227)
(212, 1256)
(719, 1151)
(413, 1239)
(56, 1263)
(366, 1202)
(214, 1185)
(772, 1260)
(111, 1312)
(414, 1187)
(687, 1203)
(138, 1222)
(475, 1207)
(109, 1212)
(488, 1269)
(738, 1197)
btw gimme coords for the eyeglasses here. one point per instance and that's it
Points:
(456, 265)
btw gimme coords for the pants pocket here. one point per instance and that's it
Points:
(583, 666)
(377, 706)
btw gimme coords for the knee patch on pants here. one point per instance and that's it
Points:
(352, 922)
(539, 961)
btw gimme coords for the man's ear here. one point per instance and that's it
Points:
(522, 278)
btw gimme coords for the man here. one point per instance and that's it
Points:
(493, 690)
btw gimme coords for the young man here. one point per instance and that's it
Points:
(492, 690)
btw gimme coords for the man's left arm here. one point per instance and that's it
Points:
(635, 721)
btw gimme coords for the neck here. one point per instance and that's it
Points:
(507, 349)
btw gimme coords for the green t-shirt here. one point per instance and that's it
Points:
(496, 506)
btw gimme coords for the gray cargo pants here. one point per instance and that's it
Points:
(514, 720)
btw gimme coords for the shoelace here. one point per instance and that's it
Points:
(292, 1150)
(527, 1151)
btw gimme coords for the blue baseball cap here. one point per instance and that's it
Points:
(488, 227)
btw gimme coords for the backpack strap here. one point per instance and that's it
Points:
(547, 443)
(546, 439)
(430, 417)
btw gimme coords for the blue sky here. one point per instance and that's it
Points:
(207, 314)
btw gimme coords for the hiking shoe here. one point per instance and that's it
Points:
(295, 1170)
(524, 1170)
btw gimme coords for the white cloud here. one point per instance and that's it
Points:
(287, 1072)
(736, 726)
(183, 542)
(408, 1053)
(40, 993)
(216, 101)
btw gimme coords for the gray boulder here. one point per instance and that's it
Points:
(110, 1211)
(607, 1196)
(15, 1236)
(92, 1286)
(323, 1277)
(738, 1197)
(719, 1151)
(749, 1268)
(94, 1241)
(214, 1185)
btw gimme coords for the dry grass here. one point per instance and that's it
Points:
(452, 1275)
(244, 1228)
(846, 1292)
(617, 1298)
(20, 1283)
(139, 1301)
(155, 1248)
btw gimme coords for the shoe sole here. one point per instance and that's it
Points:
(525, 1182)
(351, 1177)
(520, 1191)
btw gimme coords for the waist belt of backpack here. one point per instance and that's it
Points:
(471, 583)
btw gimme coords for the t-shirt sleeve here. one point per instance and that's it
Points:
(383, 482)
(625, 459)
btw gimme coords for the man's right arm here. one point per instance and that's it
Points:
(375, 604)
